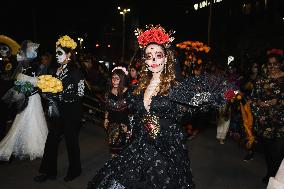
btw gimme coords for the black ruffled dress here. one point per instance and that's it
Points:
(157, 156)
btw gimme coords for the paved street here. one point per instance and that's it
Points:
(214, 166)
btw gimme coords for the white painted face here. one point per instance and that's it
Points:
(155, 58)
(21, 56)
(61, 55)
(4, 50)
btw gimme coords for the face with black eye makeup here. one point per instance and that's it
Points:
(61, 56)
(155, 58)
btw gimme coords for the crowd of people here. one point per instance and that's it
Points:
(151, 106)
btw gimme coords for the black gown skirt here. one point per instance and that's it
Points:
(157, 156)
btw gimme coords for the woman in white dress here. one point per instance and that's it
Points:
(27, 135)
(277, 182)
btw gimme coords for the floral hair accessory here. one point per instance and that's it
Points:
(120, 68)
(67, 42)
(154, 34)
(275, 51)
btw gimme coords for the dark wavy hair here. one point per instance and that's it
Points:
(122, 83)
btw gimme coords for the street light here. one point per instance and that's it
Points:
(123, 12)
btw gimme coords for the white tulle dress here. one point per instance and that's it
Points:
(277, 182)
(27, 135)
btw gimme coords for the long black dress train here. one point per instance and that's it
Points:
(157, 156)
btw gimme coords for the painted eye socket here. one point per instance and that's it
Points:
(159, 55)
(59, 53)
(149, 57)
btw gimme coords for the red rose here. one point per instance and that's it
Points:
(229, 94)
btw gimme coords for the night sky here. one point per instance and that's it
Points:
(100, 21)
(44, 23)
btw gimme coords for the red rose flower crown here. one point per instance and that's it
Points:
(156, 34)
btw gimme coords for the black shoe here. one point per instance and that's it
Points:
(265, 179)
(71, 177)
(43, 178)
(4, 162)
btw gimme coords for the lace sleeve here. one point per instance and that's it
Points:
(203, 91)
(23, 77)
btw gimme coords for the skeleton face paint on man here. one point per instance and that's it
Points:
(61, 56)
(155, 58)
(4, 50)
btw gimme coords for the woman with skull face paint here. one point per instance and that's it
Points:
(28, 133)
(156, 156)
(268, 107)
(68, 121)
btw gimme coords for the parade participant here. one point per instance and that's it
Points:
(156, 156)
(116, 115)
(27, 135)
(68, 121)
(268, 106)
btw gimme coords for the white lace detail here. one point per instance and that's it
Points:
(81, 87)
(23, 77)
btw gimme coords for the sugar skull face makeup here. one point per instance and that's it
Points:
(61, 55)
(155, 58)
(4, 50)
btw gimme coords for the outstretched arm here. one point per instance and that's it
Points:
(205, 90)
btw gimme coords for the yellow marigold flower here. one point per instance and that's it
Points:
(67, 42)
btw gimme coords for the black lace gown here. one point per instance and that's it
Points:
(157, 156)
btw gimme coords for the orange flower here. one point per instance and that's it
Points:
(199, 61)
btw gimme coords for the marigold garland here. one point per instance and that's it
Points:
(194, 50)
(67, 42)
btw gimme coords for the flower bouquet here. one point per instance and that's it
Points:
(49, 84)
(24, 87)
(194, 51)
(18, 95)
(195, 54)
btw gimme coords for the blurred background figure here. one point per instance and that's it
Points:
(45, 65)
(223, 122)
(116, 115)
